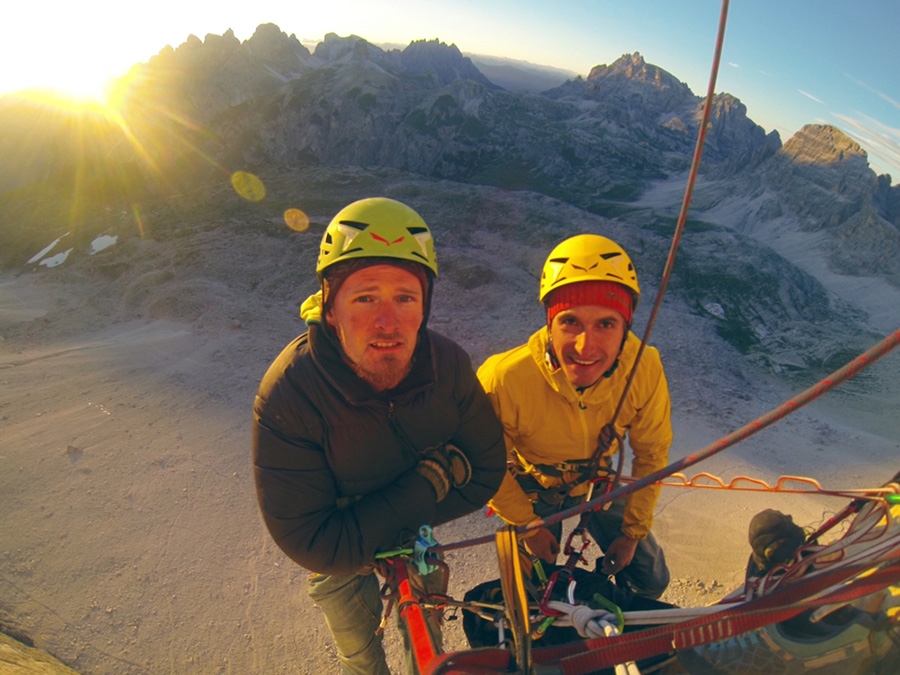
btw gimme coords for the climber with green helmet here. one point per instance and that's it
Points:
(369, 425)
(554, 396)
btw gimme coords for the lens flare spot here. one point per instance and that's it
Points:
(296, 220)
(248, 186)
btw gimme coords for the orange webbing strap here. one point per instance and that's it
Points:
(411, 613)
(514, 597)
(785, 484)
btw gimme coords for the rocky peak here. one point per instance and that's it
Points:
(335, 48)
(631, 81)
(204, 79)
(198, 53)
(190, 45)
(443, 62)
(193, 55)
(225, 43)
(823, 144)
(633, 67)
(731, 133)
(887, 200)
(823, 155)
(278, 51)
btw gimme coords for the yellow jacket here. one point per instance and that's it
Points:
(547, 421)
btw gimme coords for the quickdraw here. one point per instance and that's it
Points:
(573, 557)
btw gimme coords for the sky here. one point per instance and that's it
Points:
(791, 62)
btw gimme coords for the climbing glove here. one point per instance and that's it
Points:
(541, 543)
(445, 467)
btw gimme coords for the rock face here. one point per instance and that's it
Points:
(635, 94)
(16, 657)
(798, 219)
(432, 58)
(642, 90)
(204, 79)
(817, 144)
(828, 185)
(819, 184)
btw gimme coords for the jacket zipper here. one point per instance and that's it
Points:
(408, 449)
(582, 416)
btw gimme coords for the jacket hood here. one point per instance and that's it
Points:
(537, 346)
(311, 309)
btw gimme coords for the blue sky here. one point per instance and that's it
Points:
(791, 62)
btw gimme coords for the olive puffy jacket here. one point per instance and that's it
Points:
(334, 460)
(547, 421)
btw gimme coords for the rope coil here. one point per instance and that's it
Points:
(591, 623)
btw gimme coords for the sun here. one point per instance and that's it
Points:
(79, 85)
(79, 72)
(87, 91)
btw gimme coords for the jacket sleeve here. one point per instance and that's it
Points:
(650, 436)
(480, 436)
(299, 501)
(510, 502)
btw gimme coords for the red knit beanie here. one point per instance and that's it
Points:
(603, 293)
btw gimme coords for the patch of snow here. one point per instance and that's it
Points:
(57, 259)
(40, 254)
(715, 309)
(102, 242)
(274, 73)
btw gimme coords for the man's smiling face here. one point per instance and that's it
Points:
(586, 341)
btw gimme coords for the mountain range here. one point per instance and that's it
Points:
(790, 252)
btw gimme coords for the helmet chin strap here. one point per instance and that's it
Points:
(612, 368)
(549, 357)
(615, 364)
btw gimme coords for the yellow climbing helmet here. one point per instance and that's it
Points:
(377, 227)
(588, 257)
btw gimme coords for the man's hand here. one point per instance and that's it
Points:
(445, 467)
(460, 468)
(619, 555)
(542, 543)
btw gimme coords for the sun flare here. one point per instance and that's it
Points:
(83, 77)
(80, 87)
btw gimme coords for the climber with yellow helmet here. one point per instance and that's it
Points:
(556, 393)
(369, 425)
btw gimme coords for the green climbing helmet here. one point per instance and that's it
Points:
(377, 227)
